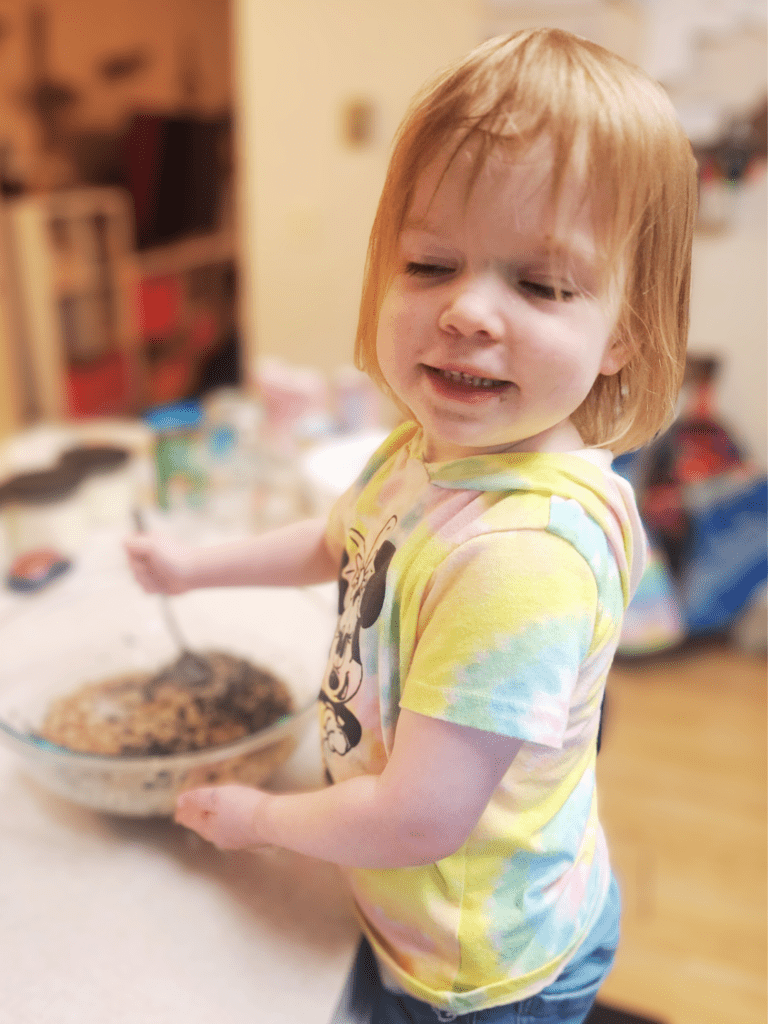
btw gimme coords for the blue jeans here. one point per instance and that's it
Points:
(567, 1000)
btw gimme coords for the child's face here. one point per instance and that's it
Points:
(473, 337)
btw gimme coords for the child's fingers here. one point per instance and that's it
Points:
(196, 810)
(144, 575)
(139, 549)
(196, 803)
(221, 814)
(150, 563)
(138, 544)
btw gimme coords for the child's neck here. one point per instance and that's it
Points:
(562, 438)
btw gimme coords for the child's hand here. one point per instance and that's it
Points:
(159, 565)
(226, 816)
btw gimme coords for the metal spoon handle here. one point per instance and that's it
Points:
(196, 670)
(170, 618)
(173, 625)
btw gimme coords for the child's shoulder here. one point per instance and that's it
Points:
(399, 439)
(575, 497)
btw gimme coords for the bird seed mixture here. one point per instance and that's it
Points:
(198, 701)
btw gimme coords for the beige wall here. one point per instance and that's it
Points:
(729, 292)
(729, 313)
(307, 198)
(616, 24)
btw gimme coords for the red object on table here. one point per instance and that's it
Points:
(35, 569)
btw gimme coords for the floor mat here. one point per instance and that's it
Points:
(602, 1014)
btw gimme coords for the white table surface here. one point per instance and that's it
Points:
(137, 921)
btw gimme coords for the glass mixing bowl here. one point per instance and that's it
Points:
(52, 644)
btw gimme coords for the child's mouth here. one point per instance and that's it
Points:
(456, 383)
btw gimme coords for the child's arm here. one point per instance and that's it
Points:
(422, 807)
(294, 555)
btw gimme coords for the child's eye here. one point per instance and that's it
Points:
(416, 269)
(551, 292)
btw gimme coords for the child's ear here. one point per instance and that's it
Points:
(615, 357)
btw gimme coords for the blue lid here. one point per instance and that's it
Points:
(177, 416)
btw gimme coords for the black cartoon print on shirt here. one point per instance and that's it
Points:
(362, 583)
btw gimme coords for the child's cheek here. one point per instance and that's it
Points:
(396, 330)
(395, 309)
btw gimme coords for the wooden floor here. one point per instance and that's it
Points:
(682, 777)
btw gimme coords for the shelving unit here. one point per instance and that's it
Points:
(81, 293)
(186, 311)
(76, 276)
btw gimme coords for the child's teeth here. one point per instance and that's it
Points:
(465, 378)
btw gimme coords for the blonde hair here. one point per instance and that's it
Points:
(613, 123)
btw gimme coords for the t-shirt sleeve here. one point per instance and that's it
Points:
(504, 628)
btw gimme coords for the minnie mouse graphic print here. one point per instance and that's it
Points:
(361, 596)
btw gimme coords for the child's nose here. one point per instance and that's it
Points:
(472, 308)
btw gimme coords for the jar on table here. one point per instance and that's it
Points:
(42, 509)
(108, 491)
(180, 473)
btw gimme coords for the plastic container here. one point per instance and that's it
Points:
(235, 462)
(42, 509)
(108, 490)
(179, 465)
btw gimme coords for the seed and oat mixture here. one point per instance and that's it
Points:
(177, 710)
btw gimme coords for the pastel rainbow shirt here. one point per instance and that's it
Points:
(488, 592)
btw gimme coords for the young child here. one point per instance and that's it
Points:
(526, 304)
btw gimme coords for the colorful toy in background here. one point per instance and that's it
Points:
(705, 507)
(654, 621)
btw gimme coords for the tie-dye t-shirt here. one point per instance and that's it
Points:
(488, 592)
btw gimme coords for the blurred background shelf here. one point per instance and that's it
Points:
(74, 263)
(109, 329)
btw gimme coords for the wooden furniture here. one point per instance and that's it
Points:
(186, 311)
(76, 276)
(79, 288)
(12, 388)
